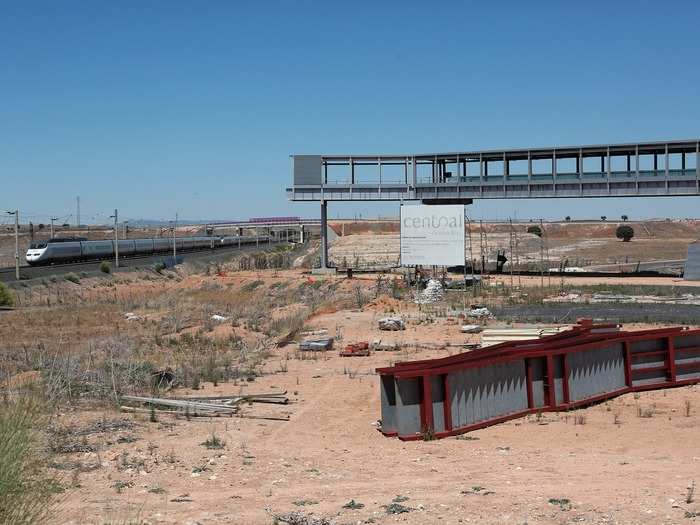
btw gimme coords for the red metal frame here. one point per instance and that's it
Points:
(559, 346)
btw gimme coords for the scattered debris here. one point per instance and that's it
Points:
(479, 312)
(493, 336)
(205, 406)
(471, 329)
(380, 346)
(356, 349)
(130, 316)
(392, 324)
(315, 333)
(219, 318)
(321, 344)
(432, 293)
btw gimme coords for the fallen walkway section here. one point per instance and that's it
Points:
(437, 398)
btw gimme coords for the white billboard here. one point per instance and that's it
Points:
(432, 235)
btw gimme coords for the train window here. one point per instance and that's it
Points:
(37, 245)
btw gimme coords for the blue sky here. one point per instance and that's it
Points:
(195, 107)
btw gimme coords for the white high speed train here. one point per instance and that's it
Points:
(75, 250)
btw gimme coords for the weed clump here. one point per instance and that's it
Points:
(27, 494)
(6, 297)
(214, 442)
(72, 277)
(105, 267)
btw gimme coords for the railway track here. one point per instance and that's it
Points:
(125, 263)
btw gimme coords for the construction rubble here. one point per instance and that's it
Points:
(392, 324)
(212, 406)
(432, 293)
(321, 344)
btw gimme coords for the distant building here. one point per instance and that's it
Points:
(692, 264)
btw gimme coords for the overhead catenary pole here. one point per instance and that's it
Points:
(116, 237)
(52, 220)
(16, 214)
(174, 242)
(77, 210)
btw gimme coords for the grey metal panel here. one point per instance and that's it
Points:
(62, 250)
(488, 392)
(683, 376)
(686, 341)
(538, 367)
(143, 245)
(685, 357)
(97, 248)
(126, 247)
(388, 398)
(649, 378)
(648, 345)
(438, 394)
(307, 169)
(692, 264)
(647, 361)
(559, 378)
(456, 395)
(594, 372)
(408, 406)
(160, 245)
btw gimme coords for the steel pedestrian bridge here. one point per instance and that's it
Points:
(650, 169)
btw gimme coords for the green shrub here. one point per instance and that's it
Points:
(624, 232)
(105, 267)
(6, 297)
(160, 266)
(535, 230)
(249, 287)
(27, 493)
(72, 278)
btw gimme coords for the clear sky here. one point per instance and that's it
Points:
(194, 107)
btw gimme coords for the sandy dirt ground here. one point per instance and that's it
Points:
(616, 467)
(601, 464)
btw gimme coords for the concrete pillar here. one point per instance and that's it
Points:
(324, 234)
(301, 234)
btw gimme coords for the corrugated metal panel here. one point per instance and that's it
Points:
(438, 395)
(596, 372)
(692, 264)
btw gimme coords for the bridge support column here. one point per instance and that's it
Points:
(324, 234)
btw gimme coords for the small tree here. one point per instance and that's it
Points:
(624, 218)
(603, 217)
(535, 230)
(567, 218)
(625, 233)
